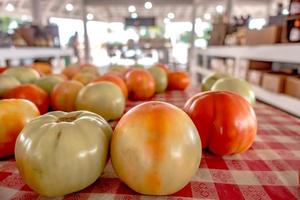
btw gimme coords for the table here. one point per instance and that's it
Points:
(268, 170)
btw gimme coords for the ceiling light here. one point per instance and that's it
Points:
(285, 11)
(148, 5)
(134, 15)
(207, 16)
(69, 7)
(220, 9)
(167, 20)
(131, 8)
(171, 15)
(9, 7)
(90, 16)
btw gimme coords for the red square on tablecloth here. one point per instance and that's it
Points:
(216, 163)
(228, 191)
(3, 175)
(257, 165)
(184, 192)
(279, 192)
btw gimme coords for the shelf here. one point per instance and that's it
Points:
(288, 53)
(282, 101)
(33, 52)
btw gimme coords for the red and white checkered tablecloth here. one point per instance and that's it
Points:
(268, 170)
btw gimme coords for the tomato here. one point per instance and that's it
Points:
(225, 121)
(104, 98)
(84, 78)
(160, 78)
(155, 148)
(2, 69)
(163, 67)
(32, 93)
(63, 96)
(60, 153)
(237, 86)
(87, 68)
(178, 80)
(116, 80)
(71, 71)
(23, 74)
(43, 68)
(7, 83)
(14, 114)
(210, 80)
(47, 83)
(140, 84)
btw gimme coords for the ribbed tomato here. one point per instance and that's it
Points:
(14, 114)
(32, 93)
(178, 80)
(225, 121)
(140, 84)
(116, 80)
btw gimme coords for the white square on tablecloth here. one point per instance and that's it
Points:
(244, 177)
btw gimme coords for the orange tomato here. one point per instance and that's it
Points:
(32, 93)
(116, 80)
(71, 71)
(178, 80)
(43, 68)
(140, 84)
(14, 114)
(155, 148)
(225, 121)
(64, 95)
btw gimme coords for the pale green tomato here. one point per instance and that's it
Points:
(160, 78)
(104, 98)
(208, 81)
(237, 86)
(23, 74)
(47, 83)
(60, 153)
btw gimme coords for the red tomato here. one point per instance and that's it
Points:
(140, 84)
(2, 69)
(64, 95)
(14, 114)
(178, 80)
(116, 80)
(32, 93)
(225, 121)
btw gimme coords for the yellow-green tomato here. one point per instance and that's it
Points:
(160, 78)
(155, 148)
(235, 85)
(23, 74)
(60, 153)
(104, 98)
(210, 80)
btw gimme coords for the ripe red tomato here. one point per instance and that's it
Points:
(64, 95)
(116, 80)
(225, 121)
(2, 69)
(32, 93)
(14, 114)
(140, 84)
(178, 80)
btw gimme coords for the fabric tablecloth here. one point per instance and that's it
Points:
(268, 170)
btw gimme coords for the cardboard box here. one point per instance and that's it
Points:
(292, 86)
(255, 76)
(274, 82)
(259, 65)
(229, 64)
(267, 35)
(218, 65)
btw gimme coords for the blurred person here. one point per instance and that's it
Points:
(73, 43)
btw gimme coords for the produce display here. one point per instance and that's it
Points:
(14, 114)
(60, 153)
(143, 152)
(104, 98)
(155, 148)
(225, 121)
(235, 85)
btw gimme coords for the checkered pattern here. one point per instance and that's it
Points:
(268, 170)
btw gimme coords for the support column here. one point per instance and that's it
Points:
(36, 12)
(191, 55)
(86, 37)
(229, 9)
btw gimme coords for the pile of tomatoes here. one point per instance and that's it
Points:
(155, 148)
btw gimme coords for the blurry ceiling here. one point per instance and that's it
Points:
(116, 10)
